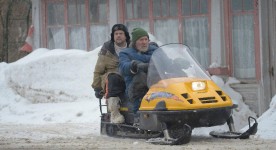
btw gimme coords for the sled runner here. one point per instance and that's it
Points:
(181, 97)
(252, 130)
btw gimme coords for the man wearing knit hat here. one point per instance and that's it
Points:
(134, 64)
(106, 74)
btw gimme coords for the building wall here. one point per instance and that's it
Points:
(114, 13)
(216, 33)
(267, 28)
(1, 42)
(258, 96)
(265, 54)
(36, 20)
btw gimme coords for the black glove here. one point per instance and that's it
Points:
(143, 66)
(134, 66)
(98, 92)
(154, 44)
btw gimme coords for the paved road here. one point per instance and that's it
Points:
(82, 136)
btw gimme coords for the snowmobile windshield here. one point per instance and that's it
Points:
(173, 61)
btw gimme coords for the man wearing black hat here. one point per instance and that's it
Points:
(106, 80)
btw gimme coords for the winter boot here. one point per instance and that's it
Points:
(113, 108)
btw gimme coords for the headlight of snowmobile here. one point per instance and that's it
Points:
(199, 85)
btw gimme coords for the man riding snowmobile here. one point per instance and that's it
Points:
(107, 81)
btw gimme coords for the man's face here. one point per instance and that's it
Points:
(119, 37)
(142, 44)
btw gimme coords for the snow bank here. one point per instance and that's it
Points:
(267, 122)
(49, 86)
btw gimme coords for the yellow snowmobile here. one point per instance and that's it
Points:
(181, 97)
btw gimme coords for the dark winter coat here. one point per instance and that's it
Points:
(107, 62)
(125, 58)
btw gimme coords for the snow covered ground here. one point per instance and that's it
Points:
(53, 87)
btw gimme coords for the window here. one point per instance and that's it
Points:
(186, 21)
(137, 14)
(194, 7)
(55, 25)
(165, 15)
(76, 24)
(98, 22)
(243, 38)
(136, 9)
(195, 29)
(165, 8)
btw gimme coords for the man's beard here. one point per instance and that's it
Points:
(120, 43)
(144, 49)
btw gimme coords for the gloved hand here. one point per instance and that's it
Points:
(134, 66)
(154, 44)
(98, 92)
(143, 66)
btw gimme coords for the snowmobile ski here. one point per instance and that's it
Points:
(173, 136)
(237, 135)
(163, 141)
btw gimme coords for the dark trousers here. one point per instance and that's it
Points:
(115, 85)
(136, 105)
(137, 89)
